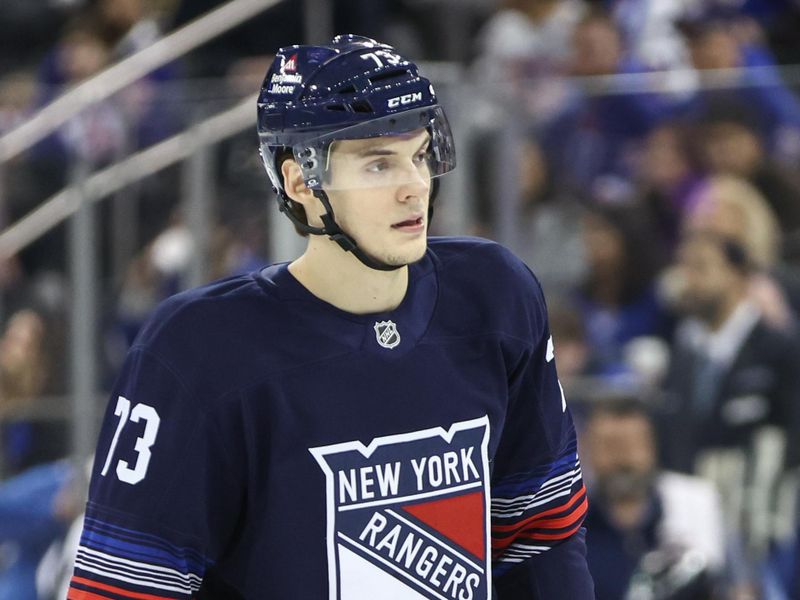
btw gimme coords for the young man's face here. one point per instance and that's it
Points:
(379, 191)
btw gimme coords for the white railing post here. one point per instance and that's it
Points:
(82, 251)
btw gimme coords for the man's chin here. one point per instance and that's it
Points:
(407, 258)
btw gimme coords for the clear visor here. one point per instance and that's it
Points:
(405, 149)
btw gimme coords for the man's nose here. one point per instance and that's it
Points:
(416, 185)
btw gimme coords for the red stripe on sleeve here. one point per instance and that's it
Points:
(552, 536)
(107, 588)
(562, 522)
(576, 518)
(580, 494)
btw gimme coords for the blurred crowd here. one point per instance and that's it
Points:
(647, 155)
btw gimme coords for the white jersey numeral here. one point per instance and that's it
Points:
(390, 57)
(122, 410)
(143, 444)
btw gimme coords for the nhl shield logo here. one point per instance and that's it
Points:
(387, 335)
(408, 515)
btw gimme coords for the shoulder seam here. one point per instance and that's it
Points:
(144, 349)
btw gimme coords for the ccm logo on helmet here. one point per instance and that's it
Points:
(405, 99)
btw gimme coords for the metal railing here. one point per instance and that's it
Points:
(127, 71)
(119, 175)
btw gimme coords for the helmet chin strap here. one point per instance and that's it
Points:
(346, 242)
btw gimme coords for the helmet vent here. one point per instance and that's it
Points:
(349, 89)
(387, 75)
(338, 107)
(361, 106)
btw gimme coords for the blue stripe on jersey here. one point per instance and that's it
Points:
(147, 539)
(140, 552)
(511, 487)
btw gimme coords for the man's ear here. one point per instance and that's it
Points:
(295, 186)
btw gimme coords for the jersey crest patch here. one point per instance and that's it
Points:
(408, 515)
(387, 335)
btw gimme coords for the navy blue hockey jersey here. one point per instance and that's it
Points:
(262, 441)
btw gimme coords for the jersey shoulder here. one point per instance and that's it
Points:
(481, 277)
(209, 335)
(200, 311)
(481, 262)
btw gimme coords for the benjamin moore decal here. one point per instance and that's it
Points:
(408, 515)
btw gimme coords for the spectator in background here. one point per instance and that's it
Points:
(98, 134)
(23, 367)
(126, 25)
(742, 70)
(667, 178)
(733, 380)
(25, 375)
(600, 128)
(650, 32)
(523, 51)
(17, 96)
(617, 299)
(154, 105)
(141, 114)
(93, 138)
(732, 208)
(640, 516)
(525, 39)
(530, 36)
(730, 144)
(549, 235)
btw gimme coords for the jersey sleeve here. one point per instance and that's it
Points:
(166, 488)
(538, 497)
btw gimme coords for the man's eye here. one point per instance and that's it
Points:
(378, 166)
(422, 157)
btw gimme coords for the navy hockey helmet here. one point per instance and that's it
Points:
(354, 88)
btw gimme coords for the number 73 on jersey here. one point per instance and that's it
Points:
(140, 412)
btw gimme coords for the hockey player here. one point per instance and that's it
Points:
(379, 419)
